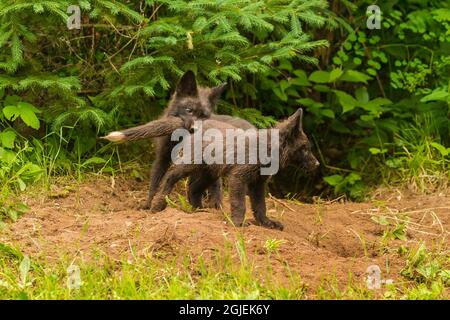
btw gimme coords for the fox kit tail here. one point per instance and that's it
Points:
(157, 128)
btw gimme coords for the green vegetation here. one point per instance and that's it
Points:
(143, 278)
(103, 277)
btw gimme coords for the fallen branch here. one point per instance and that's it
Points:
(281, 202)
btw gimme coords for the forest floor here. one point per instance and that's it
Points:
(327, 239)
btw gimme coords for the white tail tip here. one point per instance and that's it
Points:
(115, 136)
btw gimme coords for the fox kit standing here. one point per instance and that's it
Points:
(294, 148)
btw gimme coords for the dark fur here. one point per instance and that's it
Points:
(196, 183)
(189, 102)
(242, 178)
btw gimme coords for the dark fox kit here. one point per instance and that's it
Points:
(243, 179)
(189, 102)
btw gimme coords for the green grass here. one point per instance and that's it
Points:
(221, 277)
(140, 278)
(420, 161)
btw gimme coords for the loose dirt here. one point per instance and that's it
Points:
(319, 240)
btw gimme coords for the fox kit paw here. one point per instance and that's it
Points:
(215, 205)
(272, 224)
(158, 206)
(238, 222)
(146, 206)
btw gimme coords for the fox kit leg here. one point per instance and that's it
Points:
(237, 190)
(256, 192)
(197, 186)
(195, 192)
(159, 169)
(215, 194)
(173, 175)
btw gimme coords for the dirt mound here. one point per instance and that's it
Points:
(319, 239)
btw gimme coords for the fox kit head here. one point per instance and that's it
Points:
(191, 102)
(295, 147)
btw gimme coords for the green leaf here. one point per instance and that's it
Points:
(93, 160)
(301, 79)
(377, 150)
(11, 112)
(320, 76)
(321, 88)
(24, 268)
(28, 106)
(280, 94)
(353, 177)
(26, 111)
(352, 37)
(437, 95)
(374, 106)
(327, 113)
(308, 102)
(284, 84)
(22, 185)
(334, 180)
(335, 74)
(7, 156)
(354, 76)
(357, 61)
(30, 172)
(443, 150)
(337, 60)
(371, 71)
(29, 117)
(347, 102)
(362, 95)
(7, 138)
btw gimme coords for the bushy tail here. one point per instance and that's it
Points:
(157, 128)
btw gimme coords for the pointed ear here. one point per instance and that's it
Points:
(216, 92)
(300, 119)
(187, 86)
(294, 124)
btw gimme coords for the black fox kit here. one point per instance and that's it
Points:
(294, 148)
(189, 103)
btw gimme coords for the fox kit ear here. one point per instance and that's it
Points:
(187, 86)
(300, 119)
(294, 123)
(216, 92)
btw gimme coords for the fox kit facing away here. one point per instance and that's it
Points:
(294, 148)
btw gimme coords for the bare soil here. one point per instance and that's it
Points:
(319, 240)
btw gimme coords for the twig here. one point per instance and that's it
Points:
(112, 64)
(281, 202)
(438, 220)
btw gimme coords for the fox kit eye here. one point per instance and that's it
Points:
(189, 110)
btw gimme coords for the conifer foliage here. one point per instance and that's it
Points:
(128, 53)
